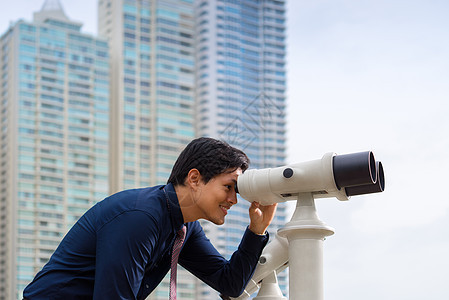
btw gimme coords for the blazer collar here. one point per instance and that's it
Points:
(173, 207)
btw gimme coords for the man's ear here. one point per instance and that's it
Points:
(193, 178)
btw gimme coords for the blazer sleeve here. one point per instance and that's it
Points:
(230, 278)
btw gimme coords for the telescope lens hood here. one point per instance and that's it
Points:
(354, 169)
(378, 186)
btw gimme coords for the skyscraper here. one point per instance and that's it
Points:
(214, 66)
(54, 106)
(240, 94)
(152, 86)
(152, 95)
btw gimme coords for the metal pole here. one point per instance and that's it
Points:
(305, 233)
(269, 289)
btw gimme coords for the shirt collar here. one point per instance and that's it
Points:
(173, 207)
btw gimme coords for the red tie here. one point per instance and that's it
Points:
(174, 260)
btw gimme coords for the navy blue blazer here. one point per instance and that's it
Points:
(121, 249)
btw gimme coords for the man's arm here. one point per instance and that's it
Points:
(124, 246)
(201, 258)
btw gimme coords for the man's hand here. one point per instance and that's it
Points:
(261, 216)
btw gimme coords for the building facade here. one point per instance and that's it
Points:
(152, 87)
(240, 95)
(186, 68)
(54, 138)
(152, 96)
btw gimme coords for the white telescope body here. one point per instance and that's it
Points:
(339, 176)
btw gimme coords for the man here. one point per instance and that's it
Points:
(122, 247)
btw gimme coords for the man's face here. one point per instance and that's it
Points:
(217, 196)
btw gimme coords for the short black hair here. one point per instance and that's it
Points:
(210, 157)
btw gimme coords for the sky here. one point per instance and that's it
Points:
(364, 75)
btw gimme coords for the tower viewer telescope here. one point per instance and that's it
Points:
(340, 176)
(299, 244)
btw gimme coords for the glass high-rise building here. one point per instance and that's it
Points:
(152, 96)
(185, 68)
(152, 86)
(240, 95)
(54, 106)
(189, 68)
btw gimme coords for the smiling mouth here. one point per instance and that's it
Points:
(224, 209)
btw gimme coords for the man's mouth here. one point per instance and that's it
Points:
(224, 209)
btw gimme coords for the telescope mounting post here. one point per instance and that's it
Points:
(305, 233)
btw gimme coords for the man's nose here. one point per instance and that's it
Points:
(232, 198)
